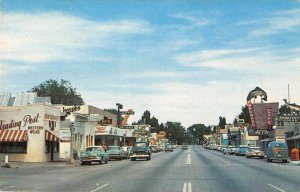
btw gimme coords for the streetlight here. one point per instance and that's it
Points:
(120, 106)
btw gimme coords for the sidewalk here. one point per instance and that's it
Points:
(294, 162)
(14, 164)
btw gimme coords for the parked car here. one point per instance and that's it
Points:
(219, 147)
(277, 151)
(255, 152)
(168, 148)
(116, 152)
(94, 154)
(184, 147)
(229, 150)
(242, 150)
(154, 149)
(141, 150)
(126, 151)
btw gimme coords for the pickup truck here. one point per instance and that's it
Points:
(141, 150)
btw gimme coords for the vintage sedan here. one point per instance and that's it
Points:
(255, 152)
(94, 154)
(116, 152)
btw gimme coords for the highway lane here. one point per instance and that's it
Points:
(193, 170)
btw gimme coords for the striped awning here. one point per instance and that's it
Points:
(13, 135)
(50, 137)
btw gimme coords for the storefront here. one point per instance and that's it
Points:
(114, 136)
(30, 133)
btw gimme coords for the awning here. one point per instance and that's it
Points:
(50, 137)
(13, 135)
(266, 140)
(293, 138)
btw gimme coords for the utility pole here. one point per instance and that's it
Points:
(120, 106)
(72, 161)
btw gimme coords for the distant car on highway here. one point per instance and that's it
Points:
(94, 154)
(184, 147)
(168, 148)
(255, 152)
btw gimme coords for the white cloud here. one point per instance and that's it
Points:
(285, 21)
(192, 19)
(44, 37)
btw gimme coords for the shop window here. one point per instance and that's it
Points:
(47, 146)
(13, 147)
(56, 147)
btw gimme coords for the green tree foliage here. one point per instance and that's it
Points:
(198, 130)
(176, 133)
(222, 122)
(284, 110)
(114, 111)
(152, 121)
(60, 92)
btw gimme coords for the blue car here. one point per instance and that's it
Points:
(242, 150)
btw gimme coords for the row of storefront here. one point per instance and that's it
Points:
(42, 132)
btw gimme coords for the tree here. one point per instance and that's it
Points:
(60, 93)
(284, 110)
(114, 111)
(176, 132)
(198, 131)
(222, 122)
(152, 121)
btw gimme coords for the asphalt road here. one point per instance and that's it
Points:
(196, 169)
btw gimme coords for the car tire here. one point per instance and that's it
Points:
(82, 163)
(100, 161)
(269, 160)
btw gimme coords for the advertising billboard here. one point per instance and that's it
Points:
(265, 114)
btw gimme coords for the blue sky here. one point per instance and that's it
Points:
(186, 61)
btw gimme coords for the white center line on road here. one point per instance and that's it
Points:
(187, 187)
(276, 187)
(188, 160)
(99, 187)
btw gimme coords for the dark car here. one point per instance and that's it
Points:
(141, 150)
(184, 147)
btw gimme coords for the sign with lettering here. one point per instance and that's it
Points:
(27, 120)
(127, 112)
(100, 130)
(105, 122)
(70, 110)
(35, 129)
(289, 118)
(128, 127)
(52, 117)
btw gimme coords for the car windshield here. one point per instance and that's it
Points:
(140, 145)
(255, 149)
(113, 148)
(92, 149)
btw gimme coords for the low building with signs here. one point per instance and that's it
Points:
(91, 126)
(30, 133)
